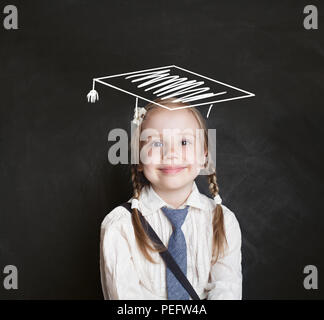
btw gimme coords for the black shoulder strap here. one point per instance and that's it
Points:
(165, 255)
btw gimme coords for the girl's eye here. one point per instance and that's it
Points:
(157, 144)
(185, 142)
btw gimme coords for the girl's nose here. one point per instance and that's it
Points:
(171, 152)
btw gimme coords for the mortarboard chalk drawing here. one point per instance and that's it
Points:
(170, 82)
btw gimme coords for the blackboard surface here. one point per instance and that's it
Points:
(56, 184)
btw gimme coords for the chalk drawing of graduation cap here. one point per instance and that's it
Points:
(170, 82)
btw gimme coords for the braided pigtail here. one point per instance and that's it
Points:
(143, 241)
(219, 238)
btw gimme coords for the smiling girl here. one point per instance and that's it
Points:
(202, 234)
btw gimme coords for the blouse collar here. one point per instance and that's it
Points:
(150, 201)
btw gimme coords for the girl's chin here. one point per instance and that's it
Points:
(172, 186)
(175, 181)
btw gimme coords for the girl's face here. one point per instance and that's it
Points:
(172, 152)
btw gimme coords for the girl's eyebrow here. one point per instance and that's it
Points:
(181, 131)
(187, 133)
(153, 136)
(159, 134)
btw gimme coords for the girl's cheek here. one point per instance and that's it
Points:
(149, 155)
(200, 154)
(189, 155)
(156, 157)
(194, 155)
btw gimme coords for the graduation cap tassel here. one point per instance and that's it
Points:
(93, 95)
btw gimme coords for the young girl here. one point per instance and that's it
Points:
(202, 234)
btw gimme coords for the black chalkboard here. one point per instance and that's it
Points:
(56, 183)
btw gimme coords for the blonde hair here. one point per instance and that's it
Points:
(139, 181)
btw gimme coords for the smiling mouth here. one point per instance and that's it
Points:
(171, 170)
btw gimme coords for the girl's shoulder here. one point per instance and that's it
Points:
(118, 217)
(230, 219)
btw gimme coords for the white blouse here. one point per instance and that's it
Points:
(127, 274)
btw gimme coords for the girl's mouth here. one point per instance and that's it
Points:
(171, 169)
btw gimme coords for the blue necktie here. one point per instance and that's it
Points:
(178, 249)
